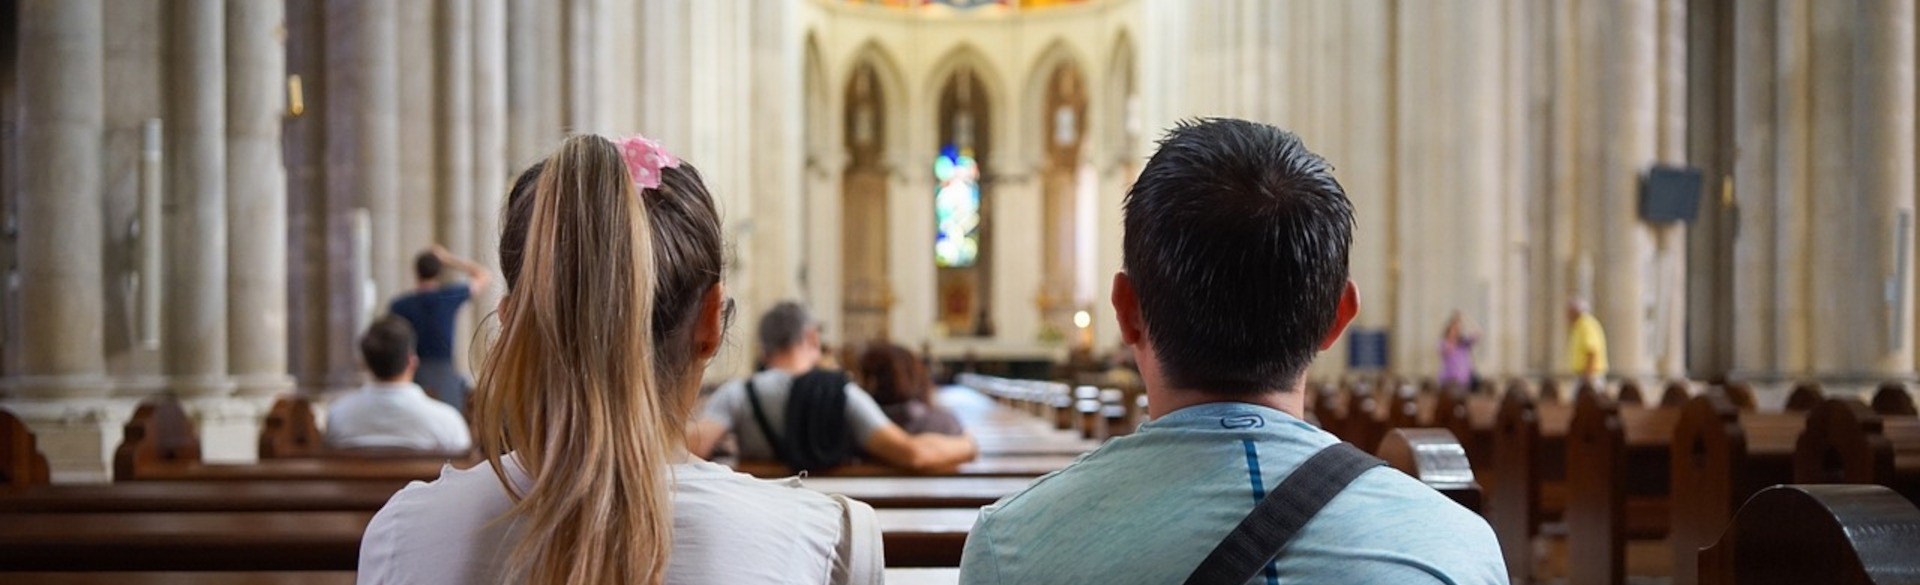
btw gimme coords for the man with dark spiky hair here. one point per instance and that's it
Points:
(1235, 277)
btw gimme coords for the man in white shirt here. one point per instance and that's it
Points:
(392, 412)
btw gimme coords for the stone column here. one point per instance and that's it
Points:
(420, 102)
(1754, 315)
(910, 264)
(453, 145)
(1016, 215)
(195, 341)
(453, 132)
(62, 95)
(525, 78)
(363, 135)
(256, 199)
(1627, 122)
(825, 218)
(578, 64)
(1883, 110)
(492, 174)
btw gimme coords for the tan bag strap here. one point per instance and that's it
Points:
(862, 554)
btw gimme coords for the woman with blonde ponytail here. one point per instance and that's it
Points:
(612, 254)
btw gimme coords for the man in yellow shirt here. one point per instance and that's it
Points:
(1586, 344)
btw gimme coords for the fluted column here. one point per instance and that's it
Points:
(492, 174)
(1755, 318)
(363, 134)
(1627, 123)
(453, 71)
(256, 199)
(62, 96)
(527, 82)
(195, 341)
(420, 102)
(1884, 126)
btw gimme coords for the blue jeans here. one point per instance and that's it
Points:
(444, 381)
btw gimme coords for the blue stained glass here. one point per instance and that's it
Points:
(956, 208)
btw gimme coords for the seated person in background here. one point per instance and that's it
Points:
(392, 412)
(1235, 255)
(808, 418)
(900, 383)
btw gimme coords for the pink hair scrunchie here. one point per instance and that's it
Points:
(645, 159)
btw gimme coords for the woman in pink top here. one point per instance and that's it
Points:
(1456, 352)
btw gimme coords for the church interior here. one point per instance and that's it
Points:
(207, 203)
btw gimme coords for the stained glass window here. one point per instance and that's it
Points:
(956, 208)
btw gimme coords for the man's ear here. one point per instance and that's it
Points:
(1349, 307)
(710, 325)
(1126, 310)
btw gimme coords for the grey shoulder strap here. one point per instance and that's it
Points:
(1281, 514)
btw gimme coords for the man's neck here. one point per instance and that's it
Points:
(1164, 400)
(426, 285)
(393, 382)
(790, 362)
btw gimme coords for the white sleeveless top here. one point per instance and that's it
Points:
(727, 528)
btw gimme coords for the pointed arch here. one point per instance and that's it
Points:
(894, 96)
(993, 87)
(1033, 112)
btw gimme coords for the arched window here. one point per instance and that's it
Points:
(956, 208)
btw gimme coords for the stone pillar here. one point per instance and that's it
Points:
(363, 136)
(453, 130)
(60, 361)
(493, 175)
(256, 199)
(1670, 300)
(825, 218)
(62, 92)
(195, 341)
(1793, 309)
(419, 106)
(526, 136)
(1016, 214)
(1883, 110)
(910, 264)
(1627, 123)
(578, 64)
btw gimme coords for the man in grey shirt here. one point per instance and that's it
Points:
(790, 340)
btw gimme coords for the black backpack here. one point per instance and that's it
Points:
(816, 421)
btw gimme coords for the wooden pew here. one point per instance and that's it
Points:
(1675, 395)
(1436, 458)
(21, 463)
(1471, 418)
(204, 496)
(894, 576)
(1027, 466)
(321, 541)
(1846, 442)
(1618, 478)
(1827, 534)
(1892, 398)
(290, 430)
(158, 435)
(1804, 397)
(921, 492)
(182, 578)
(1529, 490)
(370, 495)
(1721, 457)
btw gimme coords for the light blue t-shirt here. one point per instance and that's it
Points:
(1148, 507)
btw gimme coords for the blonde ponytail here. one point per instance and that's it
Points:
(571, 388)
